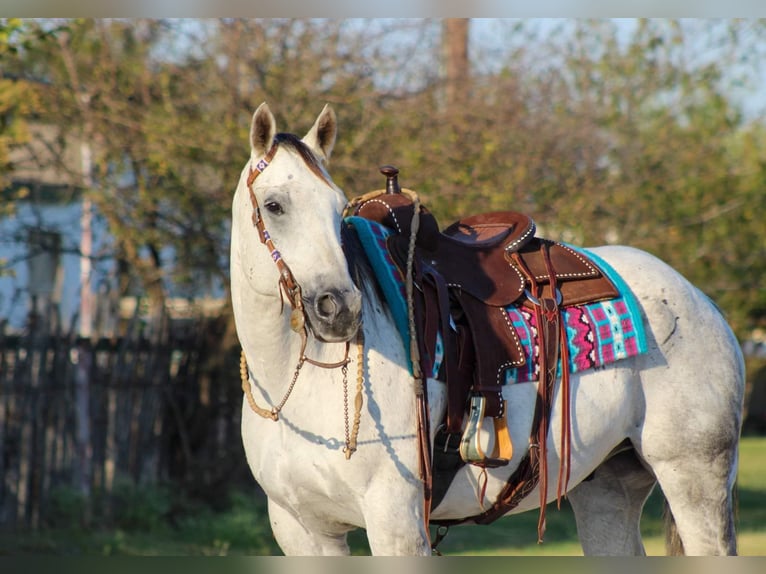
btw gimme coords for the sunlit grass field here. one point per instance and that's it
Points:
(242, 528)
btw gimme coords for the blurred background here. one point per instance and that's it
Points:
(121, 143)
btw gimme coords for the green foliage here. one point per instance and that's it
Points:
(9, 27)
(17, 102)
(608, 138)
(149, 521)
(243, 526)
(67, 509)
(144, 507)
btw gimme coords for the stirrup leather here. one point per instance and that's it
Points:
(470, 447)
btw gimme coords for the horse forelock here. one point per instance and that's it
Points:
(293, 142)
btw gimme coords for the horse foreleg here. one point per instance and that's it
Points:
(296, 540)
(392, 539)
(608, 507)
(397, 528)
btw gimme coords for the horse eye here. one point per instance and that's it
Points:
(274, 207)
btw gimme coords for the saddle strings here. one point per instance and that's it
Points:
(421, 395)
(538, 447)
(545, 388)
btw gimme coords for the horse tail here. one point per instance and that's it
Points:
(674, 546)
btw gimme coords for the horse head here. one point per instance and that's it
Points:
(286, 225)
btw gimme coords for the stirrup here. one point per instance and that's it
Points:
(470, 447)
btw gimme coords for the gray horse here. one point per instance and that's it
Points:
(670, 416)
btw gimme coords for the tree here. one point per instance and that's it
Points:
(456, 63)
(17, 102)
(600, 134)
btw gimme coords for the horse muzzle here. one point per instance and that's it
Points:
(334, 314)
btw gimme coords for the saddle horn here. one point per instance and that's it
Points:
(392, 182)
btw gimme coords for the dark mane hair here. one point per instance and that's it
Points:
(358, 265)
(294, 142)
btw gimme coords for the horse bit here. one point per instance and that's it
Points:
(290, 287)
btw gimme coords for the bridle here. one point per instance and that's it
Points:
(288, 285)
(290, 288)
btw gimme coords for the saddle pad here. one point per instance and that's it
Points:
(598, 333)
(372, 236)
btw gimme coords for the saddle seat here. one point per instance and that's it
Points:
(472, 255)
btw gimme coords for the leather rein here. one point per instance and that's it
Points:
(290, 288)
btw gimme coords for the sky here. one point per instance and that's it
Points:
(490, 36)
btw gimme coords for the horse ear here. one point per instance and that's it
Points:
(321, 136)
(262, 131)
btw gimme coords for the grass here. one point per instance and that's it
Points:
(156, 523)
(155, 527)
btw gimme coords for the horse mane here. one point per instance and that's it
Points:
(359, 266)
(295, 143)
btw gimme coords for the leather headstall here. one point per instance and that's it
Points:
(286, 278)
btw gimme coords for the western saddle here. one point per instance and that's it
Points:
(465, 276)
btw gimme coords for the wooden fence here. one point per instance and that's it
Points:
(84, 414)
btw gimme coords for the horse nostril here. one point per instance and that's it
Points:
(327, 306)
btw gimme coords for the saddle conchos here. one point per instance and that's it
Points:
(466, 276)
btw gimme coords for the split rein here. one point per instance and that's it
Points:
(289, 287)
